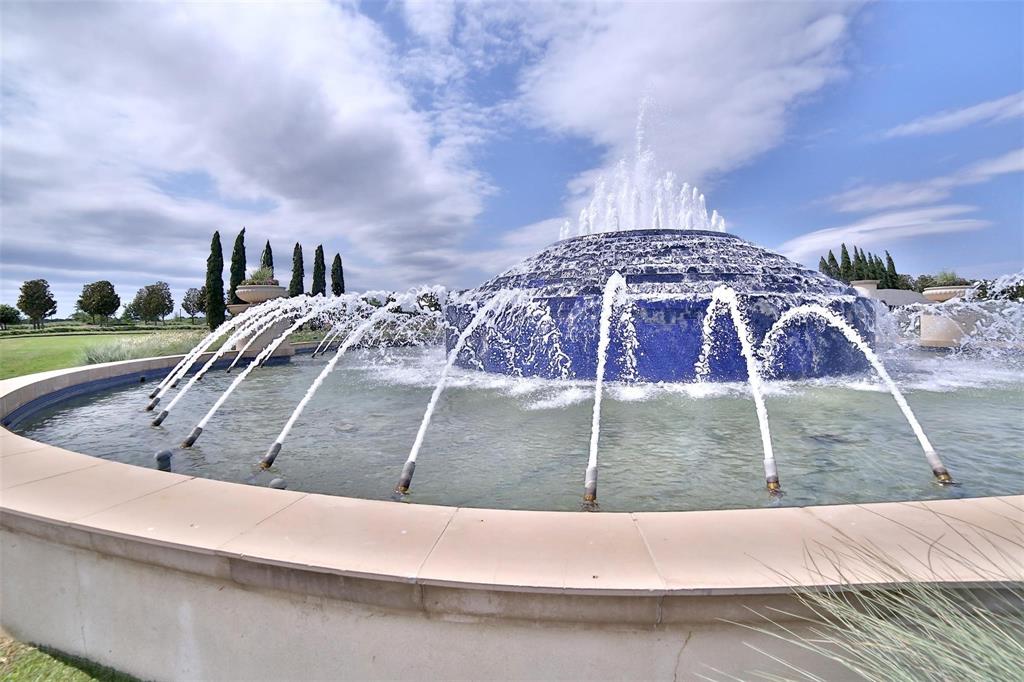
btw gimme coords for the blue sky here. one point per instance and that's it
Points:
(441, 142)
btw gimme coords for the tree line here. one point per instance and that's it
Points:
(215, 300)
(99, 300)
(865, 265)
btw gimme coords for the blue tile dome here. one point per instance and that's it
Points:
(670, 275)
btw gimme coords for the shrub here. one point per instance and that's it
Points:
(260, 276)
(132, 348)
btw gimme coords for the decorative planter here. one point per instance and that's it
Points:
(258, 293)
(941, 294)
(868, 288)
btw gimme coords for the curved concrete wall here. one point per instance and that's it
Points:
(169, 577)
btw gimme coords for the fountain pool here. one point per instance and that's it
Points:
(675, 446)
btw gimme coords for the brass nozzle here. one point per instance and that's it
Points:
(944, 478)
(774, 488)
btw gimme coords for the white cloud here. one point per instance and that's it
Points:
(1005, 108)
(900, 194)
(311, 110)
(883, 228)
(295, 106)
(725, 75)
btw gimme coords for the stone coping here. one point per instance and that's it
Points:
(415, 556)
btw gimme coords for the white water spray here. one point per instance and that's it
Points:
(497, 302)
(855, 338)
(351, 340)
(614, 292)
(181, 369)
(724, 296)
(263, 354)
(239, 334)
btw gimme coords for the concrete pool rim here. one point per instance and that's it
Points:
(638, 571)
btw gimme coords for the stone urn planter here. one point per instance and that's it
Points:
(258, 293)
(941, 294)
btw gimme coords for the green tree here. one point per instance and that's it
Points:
(877, 269)
(319, 273)
(194, 302)
(892, 278)
(297, 286)
(267, 259)
(8, 315)
(823, 266)
(845, 266)
(99, 298)
(36, 301)
(153, 302)
(337, 276)
(215, 284)
(237, 267)
(833, 265)
(860, 264)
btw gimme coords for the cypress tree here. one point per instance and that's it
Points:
(337, 276)
(319, 273)
(858, 264)
(845, 266)
(215, 284)
(267, 259)
(296, 287)
(823, 266)
(833, 265)
(237, 267)
(890, 272)
(877, 268)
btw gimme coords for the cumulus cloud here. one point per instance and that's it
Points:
(726, 75)
(883, 228)
(132, 131)
(1005, 108)
(900, 194)
(292, 107)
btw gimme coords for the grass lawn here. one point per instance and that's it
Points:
(23, 662)
(28, 354)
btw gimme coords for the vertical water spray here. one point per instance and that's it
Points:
(614, 289)
(498, 301)
(851, 334)
(724, 296)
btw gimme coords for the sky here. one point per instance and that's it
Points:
(441, 142)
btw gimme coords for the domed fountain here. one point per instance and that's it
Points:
(657, 329)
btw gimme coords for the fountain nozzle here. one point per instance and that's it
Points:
(268, 459)
(160, 418)
(406, 480)
(774, 487)
(153, 403)
(943, 476)
(590, 485)
(192, 437)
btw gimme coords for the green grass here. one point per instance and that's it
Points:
(23, 662)
(25, 355)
